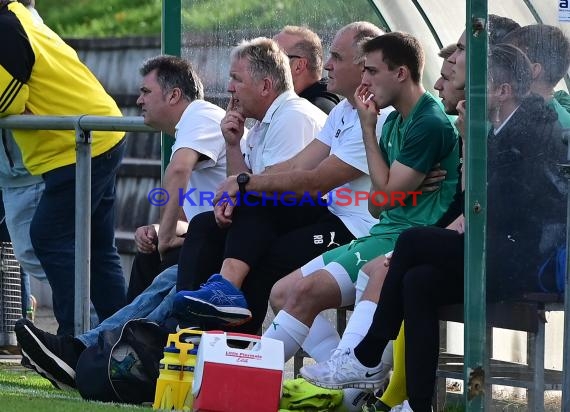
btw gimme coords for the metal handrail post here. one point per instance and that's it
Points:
(171, 43)
(82, 237)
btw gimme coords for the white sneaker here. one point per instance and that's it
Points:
(403, 407)
(343, 370)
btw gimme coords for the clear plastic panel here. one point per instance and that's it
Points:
(446, 17)
(207, 41)
(526, 207)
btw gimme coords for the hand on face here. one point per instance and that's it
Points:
(367, 109)
(232, 124)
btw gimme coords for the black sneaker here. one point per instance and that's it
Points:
(53, 357)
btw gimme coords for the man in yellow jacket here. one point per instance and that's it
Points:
(41, 75)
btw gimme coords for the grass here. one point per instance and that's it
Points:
(23, 390)
(102, 18)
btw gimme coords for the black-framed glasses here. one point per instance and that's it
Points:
(294, 56)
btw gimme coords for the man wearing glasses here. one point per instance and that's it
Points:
(305, 52)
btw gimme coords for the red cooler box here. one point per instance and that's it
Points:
(238, 380)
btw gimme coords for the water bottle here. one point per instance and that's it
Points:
(168, 382)
(186, 398)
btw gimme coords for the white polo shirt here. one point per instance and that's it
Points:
(289, 124)
(343, 134)
(199, 130)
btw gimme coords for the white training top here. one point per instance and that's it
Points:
(343, 134)
(199, 130)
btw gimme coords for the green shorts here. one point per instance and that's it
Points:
(360, 251)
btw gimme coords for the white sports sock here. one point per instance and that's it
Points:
(360, 285)
(289, 330)
(322, 339)
(358, 324)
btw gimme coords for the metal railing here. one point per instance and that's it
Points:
(83, 126)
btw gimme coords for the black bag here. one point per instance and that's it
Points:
(123, 366)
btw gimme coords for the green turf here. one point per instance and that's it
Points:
(23, 390)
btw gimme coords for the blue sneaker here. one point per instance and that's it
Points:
(216, 299)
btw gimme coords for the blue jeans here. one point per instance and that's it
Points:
(25, 279)
(53, 237)
(155, 304)
(20, 204)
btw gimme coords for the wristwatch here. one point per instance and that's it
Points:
(242, 180)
